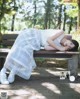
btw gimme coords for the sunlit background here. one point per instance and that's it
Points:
(20, 14)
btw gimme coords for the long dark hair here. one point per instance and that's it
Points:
(75, 48)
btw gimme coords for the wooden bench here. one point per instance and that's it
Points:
(72, 57)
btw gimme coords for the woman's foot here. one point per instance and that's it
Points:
(3, 78)
(11, 77)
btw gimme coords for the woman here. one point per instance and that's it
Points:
(20, 59)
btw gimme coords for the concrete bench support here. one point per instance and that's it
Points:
(73, 65)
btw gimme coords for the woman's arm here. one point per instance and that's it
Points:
(54, 46)
(52, 38)
(48, 47)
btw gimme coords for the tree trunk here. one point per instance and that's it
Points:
(13, 20)
(2, 12)
(78, 25)
(59, 18)
(70, 27)
(64, 19)
(35, 8)
(46, 15)
(49, 22)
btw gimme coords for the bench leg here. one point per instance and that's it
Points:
(73, 65)
(79, 59)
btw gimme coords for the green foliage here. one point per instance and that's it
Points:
(73, 12)
(7, 8)
(40, 12)
(40, 59)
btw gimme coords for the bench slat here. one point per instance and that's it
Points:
(8, 39)
(7, 43)
(44, 53)
(9, 36)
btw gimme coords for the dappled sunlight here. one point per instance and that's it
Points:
(18, 97)
(51, 87)
(51, 62)
(75, 87)
(29, 97)
(37, 97)
(56, 73)
(21, 92)
(35, 73)
(61, 63)
(78, 73)
(26, 93)
(60, 69)
(4, 86)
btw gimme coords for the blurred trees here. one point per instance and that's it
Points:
(6, 7)
(78, 2)
(20, 14)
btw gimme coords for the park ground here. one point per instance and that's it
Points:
(44, 83)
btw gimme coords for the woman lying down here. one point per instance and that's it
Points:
(20, 60)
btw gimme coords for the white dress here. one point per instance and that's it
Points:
(20, 57)
(45, 34)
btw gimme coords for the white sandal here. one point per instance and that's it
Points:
(3, 78)
(11, 77)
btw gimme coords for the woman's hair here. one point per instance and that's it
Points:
(75, 48)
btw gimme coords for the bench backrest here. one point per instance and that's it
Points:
(8, 39)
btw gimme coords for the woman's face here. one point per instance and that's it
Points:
(68, 43)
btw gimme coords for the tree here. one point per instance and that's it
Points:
(65, 17)
(13, 17)
(78, 3)
(48, 13)
(60, 16)
(5, 8)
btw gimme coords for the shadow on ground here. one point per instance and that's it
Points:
(44, 83)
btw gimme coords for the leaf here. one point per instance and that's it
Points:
(72, 13)
(8, 0)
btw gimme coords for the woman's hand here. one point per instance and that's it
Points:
(65, 48)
